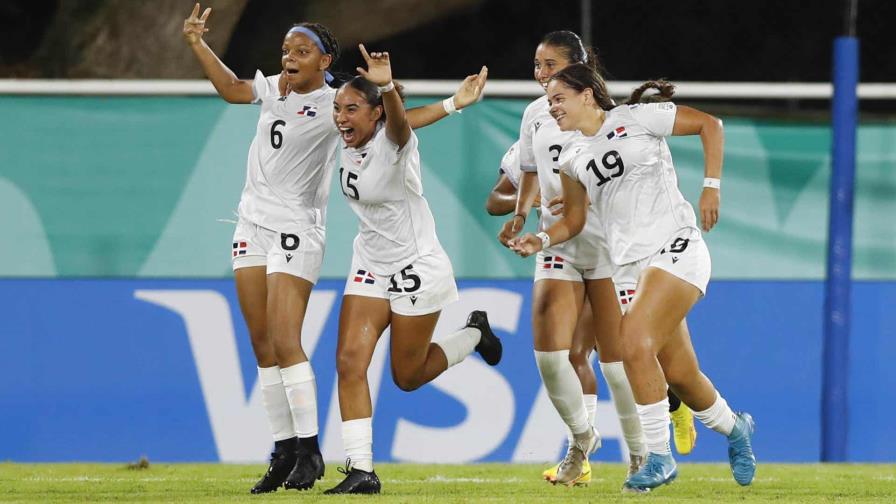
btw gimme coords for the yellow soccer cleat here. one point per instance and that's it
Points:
(685, 434)
(550, 474)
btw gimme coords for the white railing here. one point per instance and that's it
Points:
(495, 88)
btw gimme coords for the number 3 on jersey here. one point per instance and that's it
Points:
(612, 162)
(347, 185)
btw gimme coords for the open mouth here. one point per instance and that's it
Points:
(292, 71)
(348, 135)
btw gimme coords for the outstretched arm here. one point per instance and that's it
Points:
(229, 87)
(379, 72)
(690, 121)
(468, 93)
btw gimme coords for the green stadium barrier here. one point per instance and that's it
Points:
(141, 187)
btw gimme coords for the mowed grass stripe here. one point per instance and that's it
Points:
(512, 483)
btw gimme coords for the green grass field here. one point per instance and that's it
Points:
(440, 483)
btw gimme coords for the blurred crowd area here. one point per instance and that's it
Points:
(684, 40)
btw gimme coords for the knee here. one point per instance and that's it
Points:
(636, 343)
(405, 381)
(348, 367)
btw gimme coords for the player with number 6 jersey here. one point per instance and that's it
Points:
(400, 277)
(621, 173)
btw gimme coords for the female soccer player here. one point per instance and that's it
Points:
(622, 167)
(400, 276)
(563, 276)
(278, 244)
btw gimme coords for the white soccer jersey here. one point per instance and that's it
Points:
(383, 186)
(545, 146)
(510, 165)
(627, 170)
(290, 159)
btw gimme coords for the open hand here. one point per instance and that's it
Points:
(194, 26)
(379, 70)
(470, 90)
(556, 205)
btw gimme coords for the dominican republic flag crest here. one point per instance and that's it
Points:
(626, 296)
(307, 111)
(363, 276)
(552, 262)
(617, 133)
(239, 248)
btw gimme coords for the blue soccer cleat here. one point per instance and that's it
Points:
(740, 449)
(657, 471)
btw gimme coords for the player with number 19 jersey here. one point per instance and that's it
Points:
(627, 171)
(541, 145)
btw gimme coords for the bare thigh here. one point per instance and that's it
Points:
(362, 321)
(252, 292)
(287, 301)
(556, 305)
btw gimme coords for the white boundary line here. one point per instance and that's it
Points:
(495, 88)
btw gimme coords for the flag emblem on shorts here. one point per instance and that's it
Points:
(239, 248)
(626, 296)
(552, 262)
(617, 133)
(363, 276)
(308, 111)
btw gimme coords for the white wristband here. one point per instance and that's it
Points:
(388, 87)
(545, 240)
(712, 182)
(449, 106)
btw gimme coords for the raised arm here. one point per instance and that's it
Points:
(575, 208)
(468, 93)
(690, 121)
(379, 72)
(229, 87)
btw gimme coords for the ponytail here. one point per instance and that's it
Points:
(665, 90)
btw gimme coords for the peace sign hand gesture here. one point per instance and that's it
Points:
(194, 26)
(379, 71)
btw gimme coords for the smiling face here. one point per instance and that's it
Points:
(568, 106)
(548, 61)
(303, 62)
(354, 116)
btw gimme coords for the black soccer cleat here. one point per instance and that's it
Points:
(283, 459)
(309, 467)
(356, 482)
(489, 346)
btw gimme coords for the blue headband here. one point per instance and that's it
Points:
(314, 38)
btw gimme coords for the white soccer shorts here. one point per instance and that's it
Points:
(299, 254)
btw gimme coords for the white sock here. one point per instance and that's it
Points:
(276, 405)
(590, 406)
(718, 417)
(457, 346)
(357, 438)
(563, 388)
(301, 391)
(655, 421)
(624, 400)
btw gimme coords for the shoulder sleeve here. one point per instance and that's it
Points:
(657, 118)
(264, 88)
(526, 154)
(510, 165)
(570, 159)
(390, 151)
